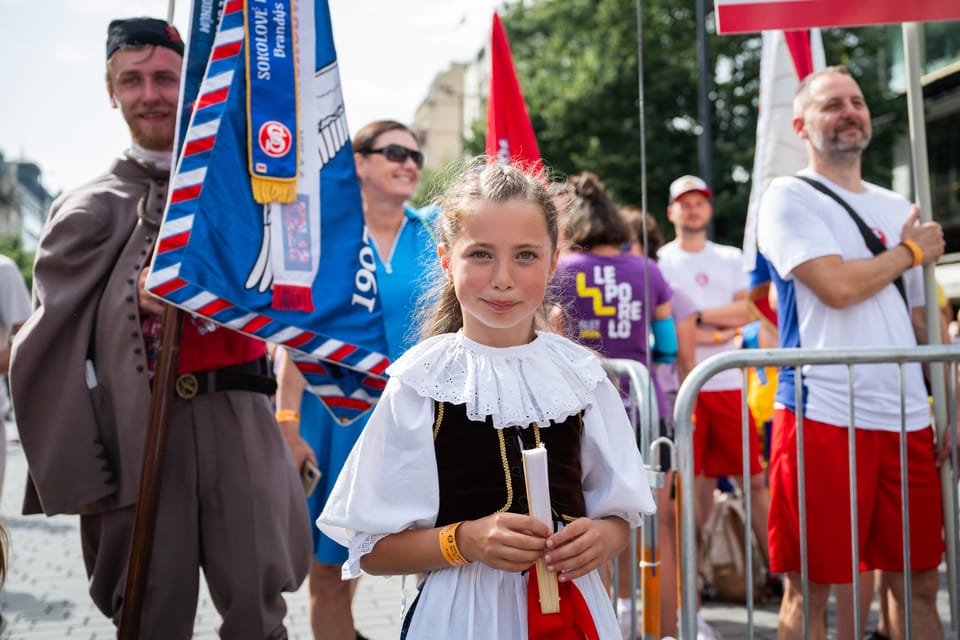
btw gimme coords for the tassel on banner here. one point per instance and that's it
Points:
(273, 101)
(292, 298)
(267, 190)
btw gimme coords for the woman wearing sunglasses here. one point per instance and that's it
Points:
(389, 161)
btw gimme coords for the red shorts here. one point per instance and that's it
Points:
(827, 475)
(718, 429)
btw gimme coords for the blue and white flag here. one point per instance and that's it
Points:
(298, 273)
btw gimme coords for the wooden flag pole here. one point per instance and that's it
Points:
(154, 451)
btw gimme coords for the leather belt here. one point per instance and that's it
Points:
(250, 376)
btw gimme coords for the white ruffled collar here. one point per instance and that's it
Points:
(548, 379)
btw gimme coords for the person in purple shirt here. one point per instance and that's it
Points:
(605, 290)
(669, 375)
(613, 301)
(647, 241)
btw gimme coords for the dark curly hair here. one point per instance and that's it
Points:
(594, 219)
(636, 219)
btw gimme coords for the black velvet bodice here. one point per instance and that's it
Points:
(480, 468)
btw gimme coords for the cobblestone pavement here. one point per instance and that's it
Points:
(45, 596)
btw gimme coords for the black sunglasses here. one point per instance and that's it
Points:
(399, 154)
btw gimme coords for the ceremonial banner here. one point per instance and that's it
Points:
(346, 393)
(271, 101)
(255, 267)
(739, 16)
(785, 59)
(509, 132)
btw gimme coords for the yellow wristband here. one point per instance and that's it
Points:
(717, 337)
(288, 415)
(448, 545)
(915, 250)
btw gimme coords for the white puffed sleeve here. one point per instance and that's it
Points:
(389, 482)
(614, 479)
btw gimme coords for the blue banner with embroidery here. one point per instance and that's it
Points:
(345, 393)
(222, 255)
(272, 100)
(202, 31)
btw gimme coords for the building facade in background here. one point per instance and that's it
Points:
(24, 201)
(440, 118)
(455, 101)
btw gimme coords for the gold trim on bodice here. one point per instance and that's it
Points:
(466, 450)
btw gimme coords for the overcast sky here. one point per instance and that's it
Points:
(54, 109)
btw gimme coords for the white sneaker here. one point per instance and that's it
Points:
(705, 631)
(623, 617)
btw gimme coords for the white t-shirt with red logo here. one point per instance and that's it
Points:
(798, 224)
(711, 278)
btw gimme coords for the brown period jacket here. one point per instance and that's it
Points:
(84, 445)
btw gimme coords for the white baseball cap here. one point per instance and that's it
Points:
(686, 184)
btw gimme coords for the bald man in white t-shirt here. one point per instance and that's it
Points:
(834, 292)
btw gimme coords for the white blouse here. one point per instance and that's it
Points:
(390, 483)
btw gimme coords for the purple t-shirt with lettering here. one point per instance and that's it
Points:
(605, 302)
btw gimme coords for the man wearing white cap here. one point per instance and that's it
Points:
(713, 276)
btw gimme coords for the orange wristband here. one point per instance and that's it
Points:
(717, 337)
(287, 415)
(448, 545)
(915, 250)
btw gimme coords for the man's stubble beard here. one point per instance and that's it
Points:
(688, 230)
(163, 142)
(840, 151)
(147, 136)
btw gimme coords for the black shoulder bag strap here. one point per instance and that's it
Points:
(869, 237)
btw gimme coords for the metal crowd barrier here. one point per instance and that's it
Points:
(797, 358)
(645, 418)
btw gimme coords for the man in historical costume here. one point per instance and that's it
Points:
(835, 291)
(230, 501)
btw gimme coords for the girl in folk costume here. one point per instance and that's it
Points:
(389, 160)
(435, 483)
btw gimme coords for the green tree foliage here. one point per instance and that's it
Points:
(434, 183)
(577, 65)
(426, 188)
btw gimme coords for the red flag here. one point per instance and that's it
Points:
(801, 51)
(509, 132)
(787, 57)
(742, 16)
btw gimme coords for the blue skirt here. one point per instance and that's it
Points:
(331, 442)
